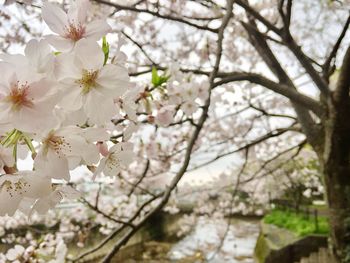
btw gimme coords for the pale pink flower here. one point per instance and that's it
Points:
(72, 26)
(165, 115)
(152, 149)
(42, 205)
(119, 157)
(189, 108)
(38, 57)
(103, 148)
(24, 186)
(66, 148)
(26, 103)
(202, 90)
(89, 85)
(15, 253)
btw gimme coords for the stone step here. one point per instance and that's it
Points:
(322, 256)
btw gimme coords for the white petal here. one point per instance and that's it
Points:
(52, 165)
(60, 43)
(39, 186)
(69, 191)
(91, 155)
(95, 134)
(74, 117)
(96, 29)
(54, 17)
(99, 109)
(9, 199)
(90, 54)
(78, 11)
(39, 55)
(112, 168)
(72, 99)
(100, 168)
(44, 204)
(115, 79)
(35, 119)
(67, 68)
(39, 89)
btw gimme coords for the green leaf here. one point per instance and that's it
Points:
(105, 49)
(158, 80)
(155, 77)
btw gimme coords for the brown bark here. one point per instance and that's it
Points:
(336, 163)
(336, 168)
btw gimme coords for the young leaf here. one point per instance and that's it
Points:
(155, 77)
(158, 80)
(105, 49)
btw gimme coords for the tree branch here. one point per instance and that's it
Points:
(326, 67)
(156, 14)
(312, 130)
(286, 16)
(305, 62)
(190, 145)
(139, 46)
(258, 140)
(244, 4)
(281, 89)
(341, 92)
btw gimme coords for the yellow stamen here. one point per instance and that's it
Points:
(88, 81)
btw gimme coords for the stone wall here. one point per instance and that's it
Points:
(276, 245)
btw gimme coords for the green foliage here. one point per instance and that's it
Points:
(158, 80)
(297, 223)
(105, 49)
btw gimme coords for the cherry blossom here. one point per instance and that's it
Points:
(89, 85)
(165, 115)
(119, 156)
(15, 254)
(66, 148)
(38, 57)
(26, 103)
(42, 205)
(24, 187)
(72, 26)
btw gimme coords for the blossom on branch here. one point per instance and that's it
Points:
(72, 26)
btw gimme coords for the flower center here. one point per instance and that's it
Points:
(18, 187)
(19, 96)
(74, 32)
(88, 80)
(56, 143)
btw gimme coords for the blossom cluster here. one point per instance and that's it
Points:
(58, 102)
(173, 93)
(50, 249)
(45, 238)
(68, 104)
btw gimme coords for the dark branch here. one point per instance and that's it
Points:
(139, 46)
(156, 14)
(244, 4)
(327, 67)
(281, 89)
(342, 90)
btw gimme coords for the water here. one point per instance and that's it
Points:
(213, 240)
